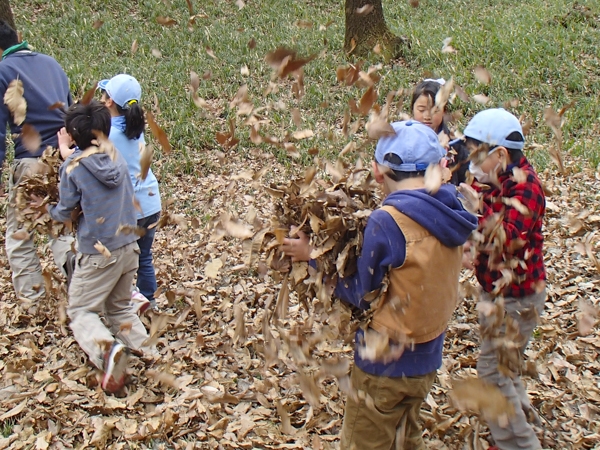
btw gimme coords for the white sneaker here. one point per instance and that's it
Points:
(115, 368)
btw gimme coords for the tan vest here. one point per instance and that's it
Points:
(423, 292)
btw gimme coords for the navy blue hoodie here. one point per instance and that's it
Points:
(384, 247)
(44, 83)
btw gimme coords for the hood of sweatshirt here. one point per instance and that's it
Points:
(104, 169)
(442, 214)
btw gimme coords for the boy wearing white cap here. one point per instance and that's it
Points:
(416, 238)
(510, 261)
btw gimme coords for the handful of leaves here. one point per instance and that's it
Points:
(333, 211)
(41, 182)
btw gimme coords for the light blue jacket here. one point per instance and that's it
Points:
(146, 191)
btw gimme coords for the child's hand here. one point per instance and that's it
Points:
(299, 248)
(64, 143)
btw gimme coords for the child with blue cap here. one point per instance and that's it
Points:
(416, 239)
(510, 260)
(122, 95)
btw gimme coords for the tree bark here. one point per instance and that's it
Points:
(367, 31)
(6, 13)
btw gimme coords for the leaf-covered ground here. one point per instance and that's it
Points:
(211, 387)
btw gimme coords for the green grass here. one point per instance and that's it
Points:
(542, 52)
(6, 427)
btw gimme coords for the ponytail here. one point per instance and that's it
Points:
(134, 120)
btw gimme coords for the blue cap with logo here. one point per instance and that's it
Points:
(123, 89)
(493, 126)
(414, 143)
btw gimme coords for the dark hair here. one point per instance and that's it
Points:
(135, 121)
(397, 175)
(8, 36)
(515, 136)
(83, 121)
(427, 88)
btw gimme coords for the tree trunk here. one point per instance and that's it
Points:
(366, 31)
(6, 13)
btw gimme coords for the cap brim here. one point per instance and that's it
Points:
(102, 84)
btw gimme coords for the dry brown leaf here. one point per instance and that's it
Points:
(158, 133)
(211, 270)
(482, 99)
(97, 24)
(30, 138)
(475, 395)
(166, 21)
(146, 154)
(378, 128)
(482, 75)
(433, 178)
(56, 105)
(284, 417)
(587, 317)
(89, 95)
(134, 46)
(210, 53)
(15, 102)
(164, 378)
(303, 134)
(367, 101)
(99, 246)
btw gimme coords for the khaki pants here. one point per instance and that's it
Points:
(103, 285)
(397, 403)
(22, 254)
(518, 435)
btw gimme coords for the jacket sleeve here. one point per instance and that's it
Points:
(70, 196)
(523, 203)
(384, 247)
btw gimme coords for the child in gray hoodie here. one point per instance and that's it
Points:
(95, 179)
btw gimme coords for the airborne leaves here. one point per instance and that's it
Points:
(15, 102)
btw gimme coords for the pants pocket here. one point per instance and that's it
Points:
(100, 261)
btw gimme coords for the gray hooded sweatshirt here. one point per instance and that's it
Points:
(102, 188)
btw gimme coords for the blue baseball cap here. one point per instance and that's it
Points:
(493, 126)
(414, 143)
(123, 89)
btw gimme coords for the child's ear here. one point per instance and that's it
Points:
(377, 173)
(504, 156)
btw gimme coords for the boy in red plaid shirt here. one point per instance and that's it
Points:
(509, 262)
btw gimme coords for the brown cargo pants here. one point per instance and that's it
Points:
(392, 421)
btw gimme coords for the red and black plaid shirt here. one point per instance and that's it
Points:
(524, 239)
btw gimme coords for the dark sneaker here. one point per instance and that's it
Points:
(115, 368)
